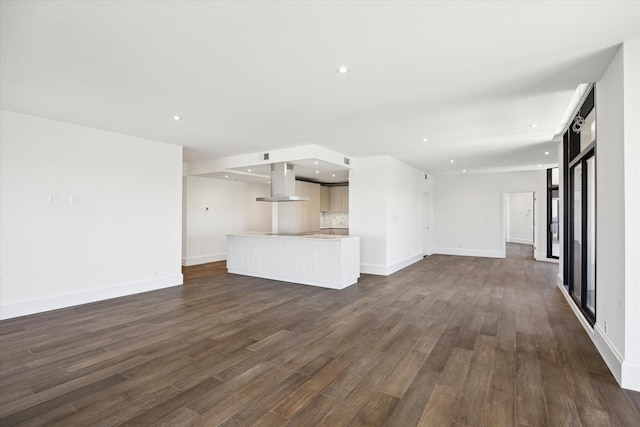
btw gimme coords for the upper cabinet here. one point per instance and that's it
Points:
(334, 199)
(325, 199)
(339, 199)
(301, 217)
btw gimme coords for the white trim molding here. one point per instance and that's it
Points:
(605, 347)
(203, 259)
(34, 306)
(387, 270)
(551, 260)
(520, 241)
(483, 253)
(630, 375)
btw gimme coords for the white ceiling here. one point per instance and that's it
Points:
(258, 76)
(308, 169)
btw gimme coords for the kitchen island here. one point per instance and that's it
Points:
(328, 261)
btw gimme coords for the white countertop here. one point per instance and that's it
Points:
(287, 236)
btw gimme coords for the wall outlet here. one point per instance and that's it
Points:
(74, 200)
(53, 199)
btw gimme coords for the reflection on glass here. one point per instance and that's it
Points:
(555, 176)
(555, 235)
(588, 130)
(591, 233)
(577, 230)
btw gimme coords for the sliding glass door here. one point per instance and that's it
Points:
(553, 210)
(580, 241)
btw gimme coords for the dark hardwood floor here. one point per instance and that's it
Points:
(447, 341)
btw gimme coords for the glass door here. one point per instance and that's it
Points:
(580, 240)
(553, 209)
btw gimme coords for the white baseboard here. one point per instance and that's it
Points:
(297, 280)
(551, 260)
(608, 351)
(386, 270)
(520, 241)
(631, 375)
(25, 308)
(469, 252)
(605, 347)
(377, 269)
(203, 259)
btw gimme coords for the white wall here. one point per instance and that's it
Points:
(469, 212)
(631, 365)
(368, 212)
(122, 237)
(386, 212)
(520, 218)
(232, 208)
(405, 203)
(616, 333)
(610, 236)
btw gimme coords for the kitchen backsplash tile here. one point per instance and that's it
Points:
(334, 220)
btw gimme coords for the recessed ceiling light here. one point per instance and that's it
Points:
(226, 176)
(451, 161)
(333, 175)
(315, 163)
(533, 125)
(539, 166)
(425, 139)
(177, 118)
(317, 171)
(546, 153)
(248, 170)
(464, 171)
(343, 69)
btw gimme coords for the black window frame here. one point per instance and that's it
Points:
(572, 156)
(550, 189)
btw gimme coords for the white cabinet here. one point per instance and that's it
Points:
(334, 199)
(301, 217)
(326, 261)
(339, 199)
(310, 209)
(325, 198)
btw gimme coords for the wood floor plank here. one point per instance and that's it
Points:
(446, 341)
(301, 397)
(349, 406)
(216, 414)
(403, 375)
(61, 400)
(257, 407)
(376, 411)
(441, 407)
(409, 408)
(314, 412)
(500, 404)
(180, 417)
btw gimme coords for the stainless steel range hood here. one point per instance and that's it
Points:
(283, 184)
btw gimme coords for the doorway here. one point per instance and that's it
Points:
(520, 222)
